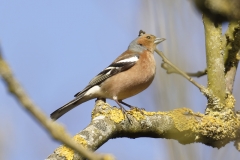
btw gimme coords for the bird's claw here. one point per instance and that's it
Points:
(137, 109)
(124, 112)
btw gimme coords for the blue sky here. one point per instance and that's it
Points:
(56, 47)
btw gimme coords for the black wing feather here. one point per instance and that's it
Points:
(110, 71)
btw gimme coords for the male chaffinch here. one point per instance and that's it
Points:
(132, 72)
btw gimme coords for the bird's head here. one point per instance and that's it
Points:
(145, 42)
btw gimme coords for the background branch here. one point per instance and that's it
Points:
(219, 11)
(231, 53)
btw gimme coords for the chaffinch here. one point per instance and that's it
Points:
(132, 72)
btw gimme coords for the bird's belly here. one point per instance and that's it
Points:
(129, 85)
(133, 90)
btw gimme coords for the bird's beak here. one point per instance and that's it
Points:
(159, 40)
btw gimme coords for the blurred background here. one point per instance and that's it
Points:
(56, 47)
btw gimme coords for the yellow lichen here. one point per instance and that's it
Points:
(219, 127)
(116, 115)
(64, 151)
(104, 106)
(230, 101)
(215, 127)
(212, 127)
(137, 114)
(221, 121)
(152, 113)
(94, 115)
(184, 119)
(68, 153)
(77, 138)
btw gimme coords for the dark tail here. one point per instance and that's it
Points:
(67, 107)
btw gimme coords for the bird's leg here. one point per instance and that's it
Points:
(132, 107)
(122, 109)
(128, 105)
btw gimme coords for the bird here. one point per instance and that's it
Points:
(129, 74)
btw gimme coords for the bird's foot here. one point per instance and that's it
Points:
(125, 114)
(124, 111)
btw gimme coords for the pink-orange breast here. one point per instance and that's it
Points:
(133, 80)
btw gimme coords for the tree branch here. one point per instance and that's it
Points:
(231, 53)
(215, 63)
(181, 124)
(219, 11)
(198, 74)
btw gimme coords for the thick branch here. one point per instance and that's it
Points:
(215, 62)
(180, 124)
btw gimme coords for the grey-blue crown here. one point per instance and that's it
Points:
(134, 46)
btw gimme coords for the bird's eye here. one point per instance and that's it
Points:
(148, 37)
(140, 44)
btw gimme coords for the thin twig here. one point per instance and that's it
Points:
(198, 74)
(165, 60)
(171, 70)
(168, 68)
(55, 130)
